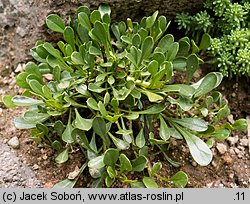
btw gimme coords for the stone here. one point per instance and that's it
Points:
(233, 140)
(230, 118)
(194, 163)
(222, 148)
(227, 159)
(14, 143)
(244, 142)
(14, 173)
(35, 167)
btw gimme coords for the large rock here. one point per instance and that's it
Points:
(22, 22)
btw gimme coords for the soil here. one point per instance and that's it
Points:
(230, 167)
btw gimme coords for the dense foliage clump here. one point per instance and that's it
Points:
(229, 25)
(109, 86)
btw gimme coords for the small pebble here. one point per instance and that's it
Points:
(244, 142)
(35, 167)
(221, 148)
(227, 159)
(194, 163)
(14, 142)
(233, 140)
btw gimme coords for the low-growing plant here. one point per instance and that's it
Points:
(228, 24)
(109, 86)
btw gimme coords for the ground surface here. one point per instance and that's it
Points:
(33, 165)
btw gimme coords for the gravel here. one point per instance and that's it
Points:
(14, 143)
(222, 148)
(13, 173)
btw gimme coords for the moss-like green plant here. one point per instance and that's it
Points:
(110, 85)
(228, 23)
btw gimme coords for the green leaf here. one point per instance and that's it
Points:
(59, 127)
(84, 20)
(198, 148)
(155, 109)
(95, 88)
(137, 185)
(207, 84)
(55, 23)
(104, 9)
(83, 33)
(106, 98)
(36, 87)
(205, 41)
(222, 113)
(116, 31)
(84, 9)
(136, 41)
(184, 47)
(92, 104)
(210, 142)
(195, 124)
(155, 169)
(165, 42)
(172, 51)
(99, 126)
(69, 36)
(21, 80)
(80, 137)
(151, 20)
(95, 16)
(83, 89)
(185, 103)
(62, 157)
(139, 163)
(7, 100)
(56, 145)
(65, 184)
(149, 182)
(76, 58)
(99, 34)
(174, 133)
(82, 123)
(240, 124)
(95, 51)
(159, 57)
(192, 66)
(147, 47)
(183, 89)
(109, 181)
(111, 80)
(20, 123)
(180, 63)
(140, 139)
(195, 48)
(125, 163)
(111, 172)
(34, 116)
(110, 157)
(180, 179)
(96, 163)
(54, 52)
(67, 133)
(152, 97)
(220, 134)
(153, 67)
(120, 144)
(126, 39)
(164, 129)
